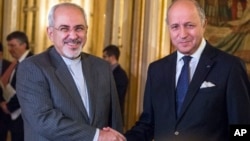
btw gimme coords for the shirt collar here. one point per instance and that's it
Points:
(23, 56)
(196, 55)
(114, 66)
(70, 61)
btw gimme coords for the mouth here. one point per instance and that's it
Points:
(73, 46)
(184, 43)
(73, 42)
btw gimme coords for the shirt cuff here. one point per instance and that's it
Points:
(96, 135)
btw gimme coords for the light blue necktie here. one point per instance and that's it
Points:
(182, 84)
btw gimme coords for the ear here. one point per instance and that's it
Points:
(50, 33)
(205, 24)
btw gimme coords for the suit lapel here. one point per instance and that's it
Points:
(171, 69)
(204, 66)
(67, 81)
(13, 81)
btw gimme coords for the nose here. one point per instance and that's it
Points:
(183, 32)
(73, 34)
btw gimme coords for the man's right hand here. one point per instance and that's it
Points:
(109, 134)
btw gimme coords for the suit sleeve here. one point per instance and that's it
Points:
(121, 81)
(238, 95)
(116, 118)
(143, 130)
(13, 104)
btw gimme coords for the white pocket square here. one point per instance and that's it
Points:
(207, 84)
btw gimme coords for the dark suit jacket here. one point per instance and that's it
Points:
(51, 105)
(206, 113)
(13, 104)
(5, 65)
(121, 81)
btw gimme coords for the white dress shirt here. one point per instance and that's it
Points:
(75, 68)
(193, 62)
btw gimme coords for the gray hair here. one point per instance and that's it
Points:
(198, 8)
(53, 9)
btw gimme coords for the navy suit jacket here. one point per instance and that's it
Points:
(121, 81)
(206, 113)
(5, 65)
(13, 104)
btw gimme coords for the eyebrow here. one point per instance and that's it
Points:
(80, 25)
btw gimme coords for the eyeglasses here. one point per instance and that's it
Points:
(76, 29)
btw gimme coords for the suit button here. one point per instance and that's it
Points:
(176, 133)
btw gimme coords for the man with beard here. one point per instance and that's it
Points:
(65, 94)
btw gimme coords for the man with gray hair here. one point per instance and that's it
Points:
(195, 93)
(65, 94)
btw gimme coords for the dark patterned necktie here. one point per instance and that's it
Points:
(182, 84)
(13, 81)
